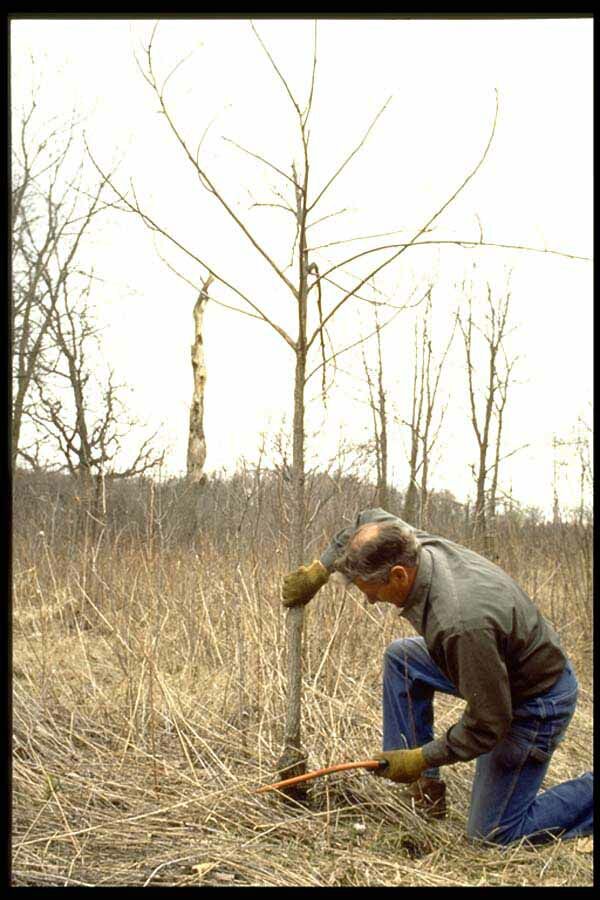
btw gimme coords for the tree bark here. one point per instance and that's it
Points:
(196, 453)
(293, 758)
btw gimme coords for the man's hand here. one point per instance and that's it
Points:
(402, 765)
(302, 584)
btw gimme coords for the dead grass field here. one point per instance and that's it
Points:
(149, 700)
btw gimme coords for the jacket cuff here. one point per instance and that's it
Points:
(436, 753)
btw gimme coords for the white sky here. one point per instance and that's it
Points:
(535, 188)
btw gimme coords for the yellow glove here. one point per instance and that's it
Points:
(402, 765)
(302, 584)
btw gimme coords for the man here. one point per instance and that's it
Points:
(482, 639)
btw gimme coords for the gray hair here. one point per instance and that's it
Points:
(372, 559)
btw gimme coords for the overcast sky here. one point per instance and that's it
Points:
(535, 189)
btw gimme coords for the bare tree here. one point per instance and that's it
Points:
(565, 450)
(302, 202)
(423, 427)
(378, 405)
(488, 420)
(80, 416)
(586, 466)
(50, 215)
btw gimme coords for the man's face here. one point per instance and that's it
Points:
(394, 591)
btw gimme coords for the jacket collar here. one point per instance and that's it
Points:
(415, 602)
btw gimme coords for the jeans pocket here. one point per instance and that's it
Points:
(551, 733)
(522, 745)
(512, 753)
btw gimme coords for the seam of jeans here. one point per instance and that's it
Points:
(411, 713)
(509, 793)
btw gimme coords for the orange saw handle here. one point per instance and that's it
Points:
(340, 767)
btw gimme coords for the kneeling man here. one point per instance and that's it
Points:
(482, 639)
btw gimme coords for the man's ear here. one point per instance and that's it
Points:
(399, 573)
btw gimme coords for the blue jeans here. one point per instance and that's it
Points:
(505, 803)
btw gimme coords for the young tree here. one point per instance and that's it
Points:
(577, 448)
(487, 422)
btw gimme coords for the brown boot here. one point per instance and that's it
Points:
(427, 796)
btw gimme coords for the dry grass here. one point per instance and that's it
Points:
(149, 697)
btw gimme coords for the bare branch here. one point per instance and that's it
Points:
(425, 226)
(280, 76)
(273, 206)
(150, 223)
(363, 339)
(323, 219)
(472, 244)
(350, 156)
(445, 242)
(361, 297)
(506, 456)
(364, 237)
(347, 294)
(308, 109)
(196, 289)
(480, 228)
(175, 68)
(206, 181)
(262, 160)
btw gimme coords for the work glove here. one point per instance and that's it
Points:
(402, 765)
(302, 584)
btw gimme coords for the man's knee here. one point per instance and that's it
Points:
(400, 661)
(405, 650)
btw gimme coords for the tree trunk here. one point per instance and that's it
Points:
(196, 453)
(411, 502)
(382, 486)
(85, 524)
(424, 511)
(492, 498)
(293, 759)
(479, 511)
(17, 418)
(411, 498)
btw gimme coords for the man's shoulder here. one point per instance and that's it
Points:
(455, 560)
(377, 514)
(469, 592)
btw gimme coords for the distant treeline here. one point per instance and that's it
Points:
(248, 505)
